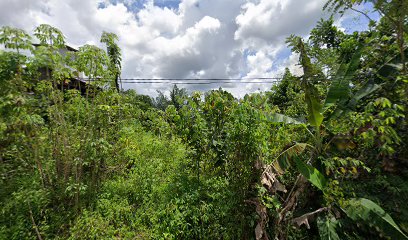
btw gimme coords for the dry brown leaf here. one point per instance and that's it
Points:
(260, 233)
(270, 182)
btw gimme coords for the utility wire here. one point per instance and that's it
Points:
(191, 81)
(197, 83)
(188, 79)
(204, 81)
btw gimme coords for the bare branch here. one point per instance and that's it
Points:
(304, 219)
(33, 222)
(361, 12)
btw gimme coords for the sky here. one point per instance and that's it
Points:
(186, 38)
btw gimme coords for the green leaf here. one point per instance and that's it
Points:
(327, 228)
(314, 107)
(311, 174)
(283, 161)
(366, 90)
(365, 210)
(339, 88)
(280, 118)
(315, 116)
(392, 66)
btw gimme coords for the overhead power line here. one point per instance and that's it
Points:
(199, 83)
(203, 79)
(188, 79)
(194, 81)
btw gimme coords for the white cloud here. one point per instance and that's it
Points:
(201, 38)
(272, 21)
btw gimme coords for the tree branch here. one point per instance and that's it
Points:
(304, 219)
(33, 222)
(363, 13)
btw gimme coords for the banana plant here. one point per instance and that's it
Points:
(339, 99)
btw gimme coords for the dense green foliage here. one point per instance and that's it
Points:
(323, 155)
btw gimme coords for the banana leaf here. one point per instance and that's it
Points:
(365, 210)
(340, 86)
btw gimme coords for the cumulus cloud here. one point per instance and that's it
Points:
(180, 39)
(272, 21)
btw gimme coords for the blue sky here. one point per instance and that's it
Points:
(356, 21)
(136, 6)
(167, 3)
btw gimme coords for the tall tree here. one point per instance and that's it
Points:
(14, 38)
(176, 94)
(48, 54)
(395, 12)
(17, 39)
(114, 54)
(49, 35)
